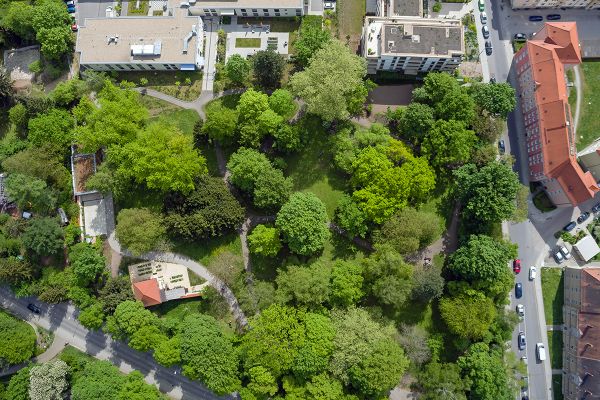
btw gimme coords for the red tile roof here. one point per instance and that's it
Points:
(147, 292)
(552, 47)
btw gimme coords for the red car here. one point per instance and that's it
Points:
(74, 27)
(517, 266)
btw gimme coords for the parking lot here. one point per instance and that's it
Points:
(92, 9)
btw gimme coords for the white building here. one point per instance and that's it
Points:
(142, 43)
(412, 45)
(250, 8)
(589, 4)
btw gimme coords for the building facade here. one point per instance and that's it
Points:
(581, 335)
(173, 42)
(249, 8)
(526, 4)
(552, 156)
(412, 45)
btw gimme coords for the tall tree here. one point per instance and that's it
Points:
(43, 236)
(56, 42)
(311, 38)
(264, 241)
(268, 68)
(346, 283)
(221, 123)
(87, 262)
(48, 381)
(488, 193)
(163, 158)
(416, 120)
(409, 230)
(448, 144)
(6, 91)
(29, 193)
(139, 229)
(441, 381)
(468, 315)
(304, 286)
(331, 81)
(388, 276)
(303, 223)
(237, 69)
(282, 102)
(130, 317)
(251, 107)
(18, 343)
(485, 373)
(497, 98)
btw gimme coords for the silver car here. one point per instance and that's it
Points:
(485, 32)
(483, 17)
(565, 252)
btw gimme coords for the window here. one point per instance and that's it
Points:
(151, 66)
(266, 10)
(243, 10)
(276, 10)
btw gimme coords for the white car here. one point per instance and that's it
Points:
(483, 17)
(558, 256)
(565, 252)
(532, 273)
(541, 351)
(521, 310)
(328, 5)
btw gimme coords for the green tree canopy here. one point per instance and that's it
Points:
(221, 123)
(497, 98)
(346, 283)
(488, 193)
(53, 128)
(416, 120)
(237, 69)
(409, 230)
(304, 285)
(448, 144)
(139, 230)
(207, 354)
(436, 87)
(56, 41)
(87, 263)
(311, 38)
(43, 236)
(350, 217)
(29, 193)
(485, 374)
(18, 387)
(442, 381)
(163, 158)
(268, 68)
(19, 20)
(388, 276)
(331, 81)
(18, 343)
(93, 316)
(114, 292)
(282, 102)
(303, 223)
(264, 241)
(48, 381)
(468, 315)
(130, 317)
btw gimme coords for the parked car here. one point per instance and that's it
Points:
(521, 341)
(483, 17)
(553, 17)
(33, 308)
(541, 351)
(492, 80)
(583, 217)
(481, 5)
(536, 18)
(520, 36)
(521, 310)
(532, 273)
(74, 27)
(517, 266)
(488, 47)
(565, 252)
(501, 146)
(70, 3)
(70, 10)
(524, 359)
(328, 5)
(596, 208)
(570, 226)
(558, 257)
(518, 290)
(485, 31)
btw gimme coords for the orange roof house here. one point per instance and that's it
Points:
(551, 150)
(147, 292)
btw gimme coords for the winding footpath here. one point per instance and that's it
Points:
(194, 266)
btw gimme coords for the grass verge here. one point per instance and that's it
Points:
(553, 292)
(183, 85)
(555, 348)
(557, 387)
(588, 127)
(247, 42)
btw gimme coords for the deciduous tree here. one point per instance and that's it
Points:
(350, 217)
(268, 68)
(221, 123)
(88, 264)
(129, 317)
(311, 38)
(139, 230)
(448, 144)
(497, 98)
(29, 193)
(416, 120)
(237, 69)
(264, 241)
(93, 316)
(304, 286)
(409, 230)
(468, 315)
(48, 381)
(485, 373)
(43, 236)
(18, 343)
(346, 283)
(388, 276)
(439, 380)
(282, 102)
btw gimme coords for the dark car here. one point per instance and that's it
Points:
(33, 308)
(553, 17)
(518, 290)
(492, 80)
(501, 146)
(570, 226)
(583, 217)
(536, 18)
(71, 10)
(520, 36)
(488, 47)
(521, 341)
(517, 266)
(596, 208)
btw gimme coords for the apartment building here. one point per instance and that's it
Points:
(552, 156)
(581, 335)
(400, 39)
(526, 4)
(173, 42)
(249, 8)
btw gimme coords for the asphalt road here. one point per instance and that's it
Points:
(61, 319)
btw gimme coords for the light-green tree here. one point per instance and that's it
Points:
(29, 193)
(282, 102)
(237, 69)
(469, 315)
(43, 237)
(448, 144)
(139, 230)
(264, 241)
(304, 285)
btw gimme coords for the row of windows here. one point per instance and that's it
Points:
(536, 159)
(133, 67)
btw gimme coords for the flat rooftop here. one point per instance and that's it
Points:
(250, 4)
(139, 39)
(421, 39)
(408, 8)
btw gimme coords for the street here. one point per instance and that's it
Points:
(62, 321)
(534, 236)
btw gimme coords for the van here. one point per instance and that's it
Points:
(541, 351)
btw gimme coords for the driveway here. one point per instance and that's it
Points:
(61, 319)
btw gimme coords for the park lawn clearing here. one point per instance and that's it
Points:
(183, 119)
(589, 123)
(553, 292)
(555, 348)
(350, 15)
(248, 42)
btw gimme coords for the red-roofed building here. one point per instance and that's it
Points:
(551, 150)
(147, 292)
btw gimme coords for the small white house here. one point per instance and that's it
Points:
(587, 248)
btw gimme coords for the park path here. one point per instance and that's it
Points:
(579, 86)
(195, 267)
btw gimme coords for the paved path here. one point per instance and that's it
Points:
(61, 319)
(197, 268)
(579, 87)
(211, 38)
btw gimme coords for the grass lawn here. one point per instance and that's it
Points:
(553, 292)
(290, 25)
(557, 387)
(350, 15)
(555, 344)
(518, 44)
(182, 118)
(247, 42)
(588, 128)
(189, 88)
(142, 10)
